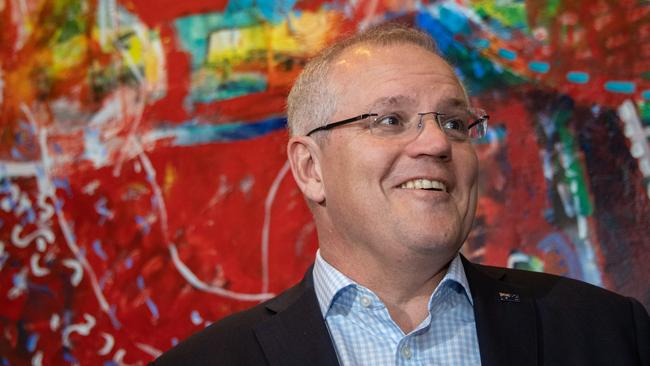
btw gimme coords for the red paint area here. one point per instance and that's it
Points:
(215, 194)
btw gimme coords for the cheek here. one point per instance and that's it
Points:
(467, 168)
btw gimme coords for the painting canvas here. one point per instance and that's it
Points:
(144, 187)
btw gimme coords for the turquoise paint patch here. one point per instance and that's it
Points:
(189, 133)
(482, 43)
(210, 88)
(453, 19)
(646, 94)
(496, 133)
(275, 11)
(538, 66)
(508, 54)
(194, 31)
(577, 77)
(623, 87)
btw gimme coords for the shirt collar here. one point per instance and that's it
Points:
(329, 282)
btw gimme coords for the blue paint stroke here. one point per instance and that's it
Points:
(174, 341)
(30, 218)
(623, 87)
(453, 19)
(646, 94)
(100, 208)
(104, 278)
(58, 205)
(110, 363)
(577, 77)
(57, 148)
(152, 308)
(70, 358)
(5, 362)
(192, 134)
(555, 242)
(478, 69)
(142, 222)
(128, 263)
(19, 280)
(42, 288)
(508, 54)
(196, 317)
(32, 341)
(111, 314)
(140, 282)
(3, 259)
(16, 154)
(63, 183)
(427, 23)
(27, 127)
(97, 248)
(67, 317)
(539, 67)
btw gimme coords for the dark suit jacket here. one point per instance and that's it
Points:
(522, 318)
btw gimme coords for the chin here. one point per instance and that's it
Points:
(436, 245)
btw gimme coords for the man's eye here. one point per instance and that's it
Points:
(454, 124)
(389, 120)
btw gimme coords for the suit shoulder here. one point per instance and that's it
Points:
(218, 340)
(229, 340)
(553, 287)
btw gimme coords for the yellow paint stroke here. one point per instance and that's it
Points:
(170, 178)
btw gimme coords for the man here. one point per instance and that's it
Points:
(381, 147)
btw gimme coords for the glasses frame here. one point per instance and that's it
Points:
(329, 126)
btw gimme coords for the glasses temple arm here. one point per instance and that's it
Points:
(338, 123)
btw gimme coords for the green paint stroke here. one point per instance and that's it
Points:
(71, 19)
(509, 13)
(552, 8)
(574, 174)
(644, 112)
(645, 75)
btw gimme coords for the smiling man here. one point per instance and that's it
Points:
(381, 147)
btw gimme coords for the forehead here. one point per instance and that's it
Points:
(407, 75)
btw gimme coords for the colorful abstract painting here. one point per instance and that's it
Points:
(144, 188)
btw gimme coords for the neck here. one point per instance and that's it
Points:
(404, 282)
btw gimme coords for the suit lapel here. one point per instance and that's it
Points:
(506, 321)
(296, 334)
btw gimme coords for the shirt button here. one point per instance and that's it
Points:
(406, 352)
(365, 301)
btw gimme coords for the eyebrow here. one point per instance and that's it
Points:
(406, 101)
(453, 103)
(391, 101)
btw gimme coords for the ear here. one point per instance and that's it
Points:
(304, 157)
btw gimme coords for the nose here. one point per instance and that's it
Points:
(430, 139)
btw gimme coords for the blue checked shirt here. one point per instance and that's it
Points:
(363, 332)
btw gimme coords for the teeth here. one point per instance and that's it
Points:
(424, 184)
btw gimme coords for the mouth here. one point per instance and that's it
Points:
(425, 184)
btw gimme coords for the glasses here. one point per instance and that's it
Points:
(463, 125)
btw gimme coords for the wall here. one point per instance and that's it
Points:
(144, 189)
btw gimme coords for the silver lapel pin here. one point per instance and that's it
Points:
(506, 296)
